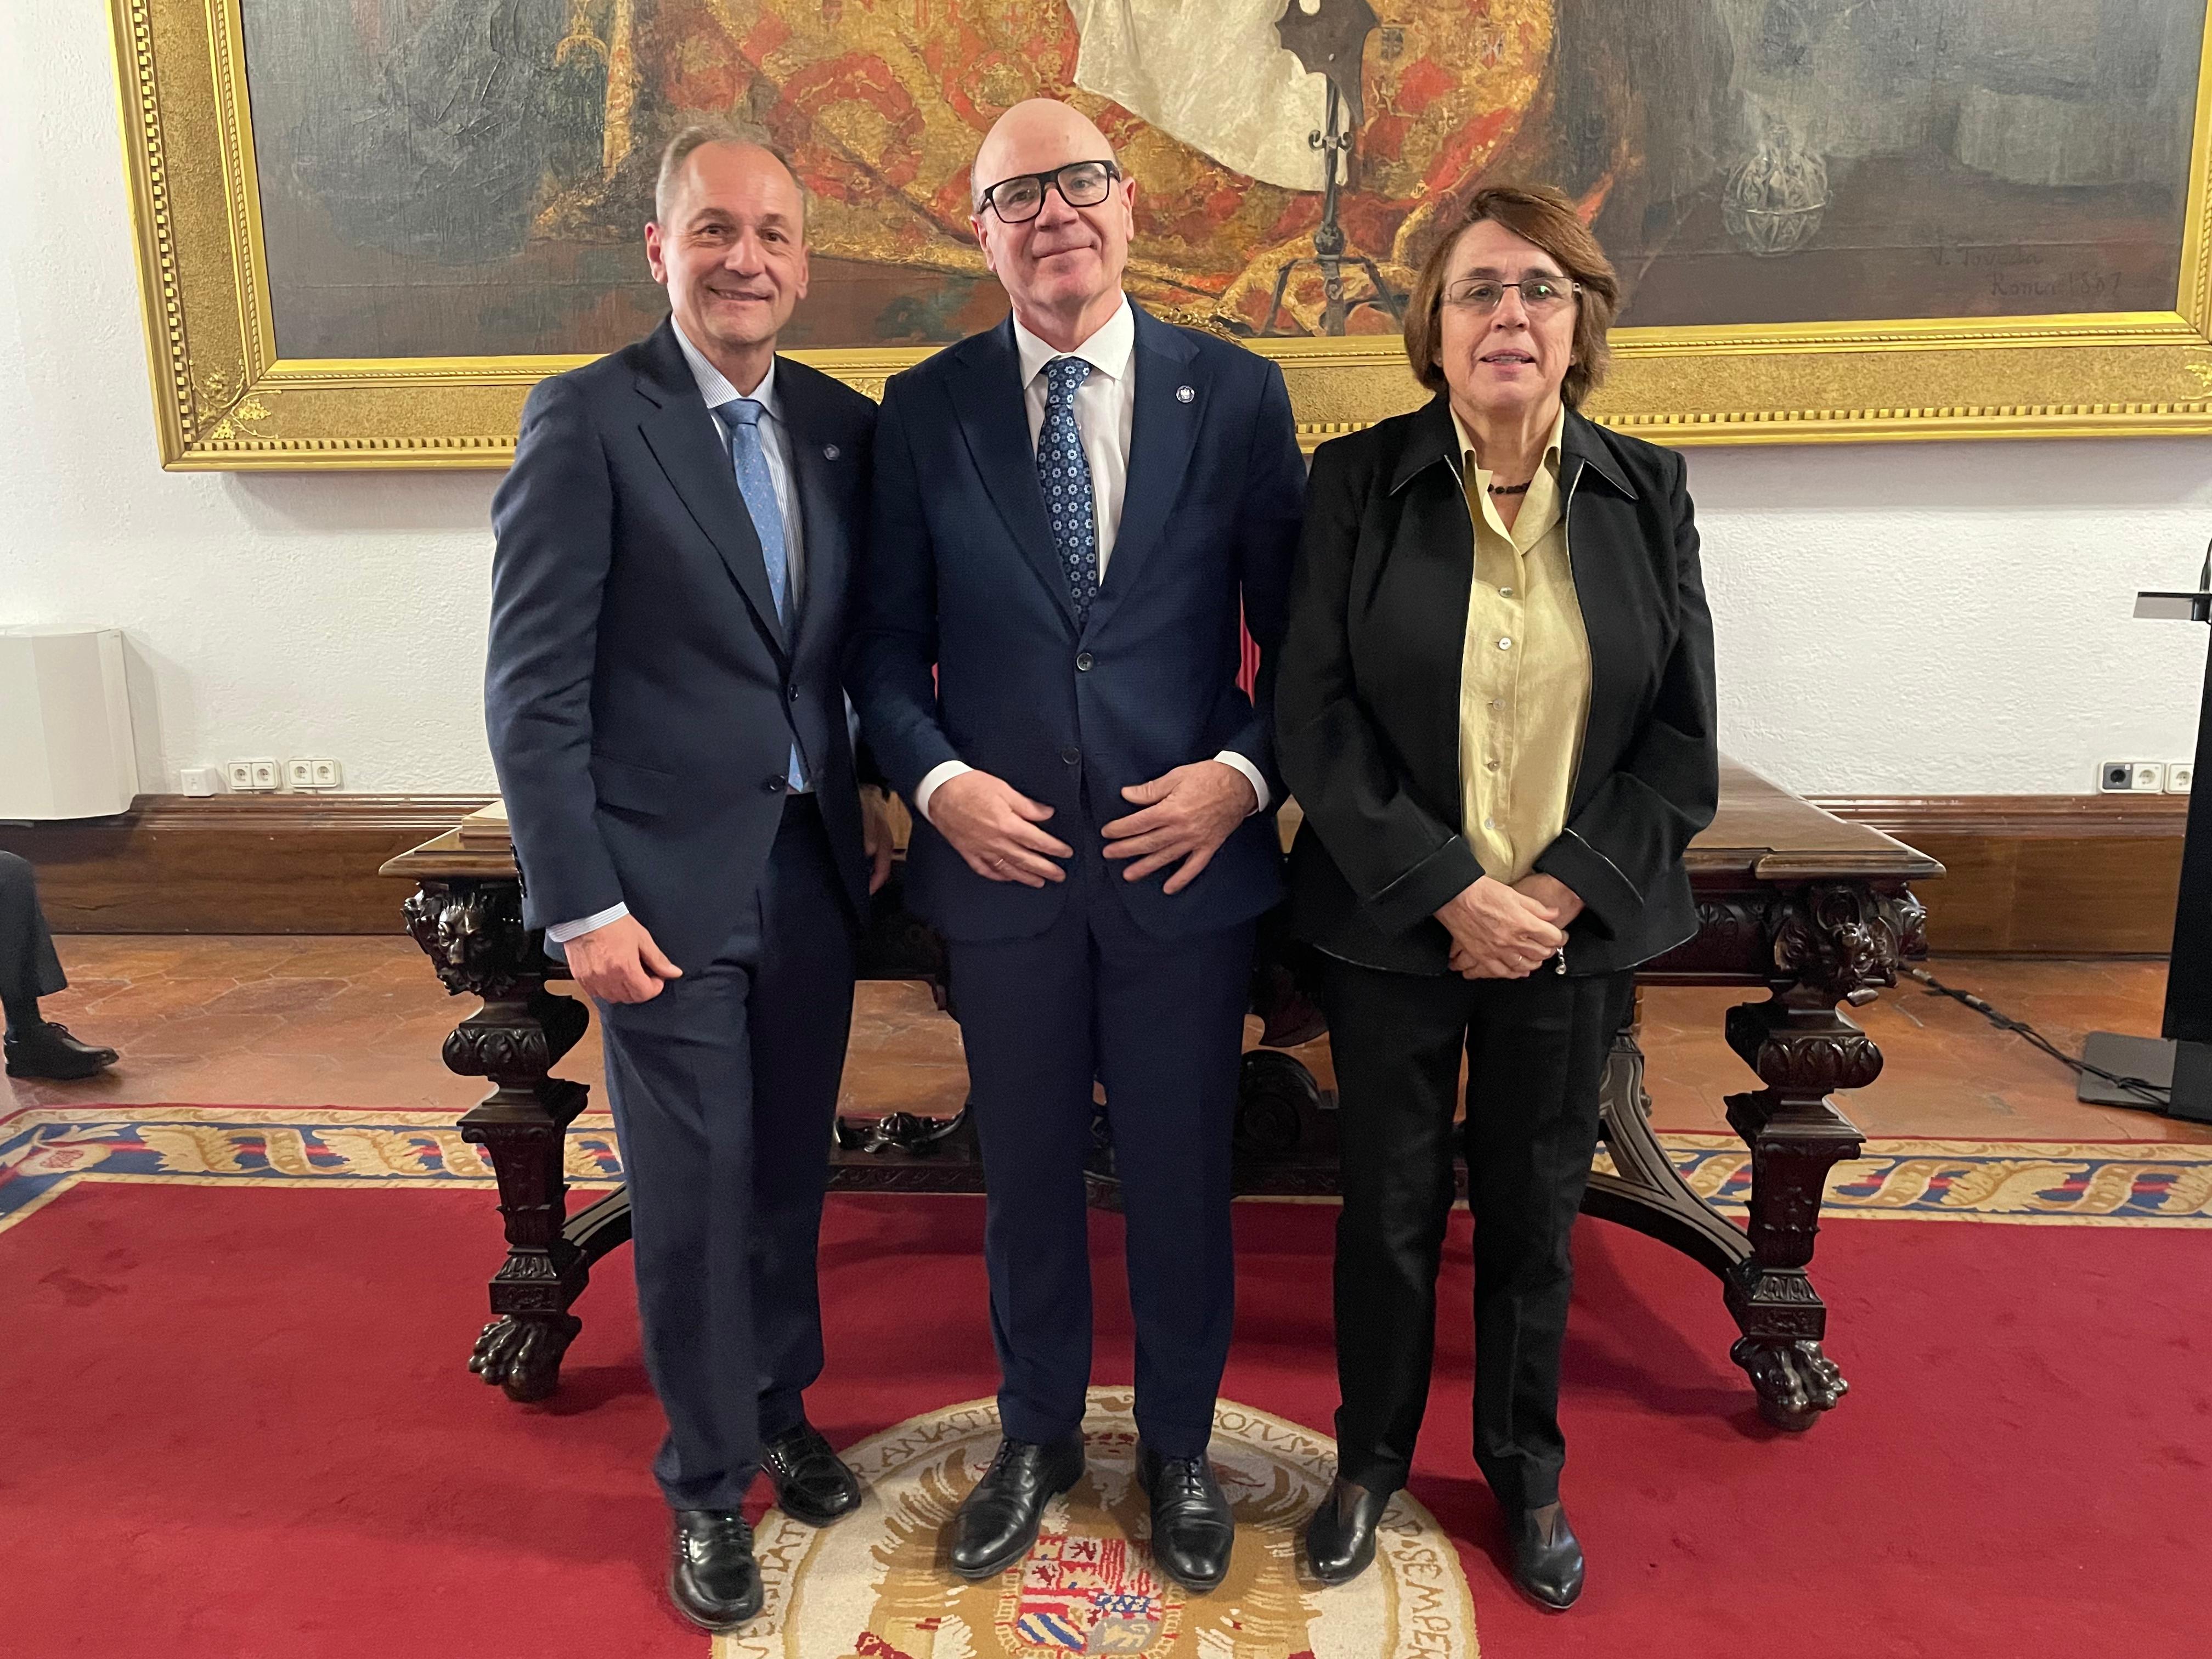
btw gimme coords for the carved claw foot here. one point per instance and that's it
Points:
(522, 1355)
(1796, 1380)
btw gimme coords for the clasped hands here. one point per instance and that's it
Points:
(1182, 816)
(1499, 932)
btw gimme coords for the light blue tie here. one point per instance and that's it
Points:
(1065, 475)
(741, 419)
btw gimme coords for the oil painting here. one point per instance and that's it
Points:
(434, 181)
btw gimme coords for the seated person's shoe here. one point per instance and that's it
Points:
(998, 1521)
(48, 1050)
(1192, 1530)
(1548, 1557)
(1340, 1537)
(812, 1482)
(712, 1576)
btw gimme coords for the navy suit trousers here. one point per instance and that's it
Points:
(1160, 1023)
(725, 1089)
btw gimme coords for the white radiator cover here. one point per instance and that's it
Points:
(66, 750)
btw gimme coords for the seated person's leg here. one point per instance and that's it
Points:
(29, 970)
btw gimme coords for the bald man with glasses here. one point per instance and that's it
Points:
(1071, 511)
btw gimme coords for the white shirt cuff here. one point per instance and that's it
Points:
(561, 932)
(1230, 757)
(931, 779)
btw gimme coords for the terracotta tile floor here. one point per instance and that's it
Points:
(358, 1022)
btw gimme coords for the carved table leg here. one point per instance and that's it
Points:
(1645, 1191)
(1831, 942)
(473, 933)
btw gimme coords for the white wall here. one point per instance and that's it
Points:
(1892, 618)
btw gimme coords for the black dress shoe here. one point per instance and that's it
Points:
(48, 1050)
(1548, 1557)
(1340, 1537)
(712, 1575)
(1192, 1531)
(812, 1482)
(998, 1521)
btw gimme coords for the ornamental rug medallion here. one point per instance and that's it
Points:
(876, 1585)
(44, 1151)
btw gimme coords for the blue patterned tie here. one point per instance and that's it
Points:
(1065, 475)
(741, 418)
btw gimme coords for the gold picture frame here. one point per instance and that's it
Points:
(226, 401)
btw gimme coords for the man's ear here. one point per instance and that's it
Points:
(655, 256)
(975, 224)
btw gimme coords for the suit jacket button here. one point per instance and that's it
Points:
(1083, 661)
(774, 785)
(793, 693)
(1071, 754)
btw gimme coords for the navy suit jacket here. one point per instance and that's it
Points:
(963, 578)
(642, 694)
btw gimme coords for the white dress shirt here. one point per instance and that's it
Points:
(714, 386)
(1105, 416)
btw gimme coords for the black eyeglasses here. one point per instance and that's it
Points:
(1540, 295)
(1081, 184)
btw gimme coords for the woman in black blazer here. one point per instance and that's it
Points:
(1495, 706)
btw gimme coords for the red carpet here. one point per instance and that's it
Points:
(239, 1426)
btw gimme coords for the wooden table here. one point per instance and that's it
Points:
(1814, 911)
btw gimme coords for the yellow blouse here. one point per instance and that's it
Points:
(1525, 672)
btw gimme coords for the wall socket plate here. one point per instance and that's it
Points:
(250, 777)
(2179, 777)
(2149, 778)
(310, 775)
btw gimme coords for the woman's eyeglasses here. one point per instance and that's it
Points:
(1538, 295)
(1081, 184)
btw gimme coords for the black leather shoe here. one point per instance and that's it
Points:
(998, 1521)
(1340, 1537)
(1192, 1531)
(1548, 1557)
(812, 1482)
(712, 1575)
(48, 1050)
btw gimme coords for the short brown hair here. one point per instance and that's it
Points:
(1545, 216)
(697, 137)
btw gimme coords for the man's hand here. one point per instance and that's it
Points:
(1498, 932)
(994, 826)
(1187, 814)
(876, 837)
(619, 963)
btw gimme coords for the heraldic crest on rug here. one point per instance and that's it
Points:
(875, 1586)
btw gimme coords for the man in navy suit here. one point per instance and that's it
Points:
(1069, 511)
(677, 545)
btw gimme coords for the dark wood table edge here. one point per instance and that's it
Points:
(1813, 932)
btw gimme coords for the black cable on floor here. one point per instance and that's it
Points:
(2149, 1093)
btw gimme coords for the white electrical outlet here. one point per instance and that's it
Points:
(197, 780)
(2180, 775)
(2131, 777)
(310, 775)
(325, 774)
(250, 777)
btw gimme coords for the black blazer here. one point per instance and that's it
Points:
(641, 692)
(1367, 700)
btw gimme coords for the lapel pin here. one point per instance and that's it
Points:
(830, 451)
(1184, 394)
